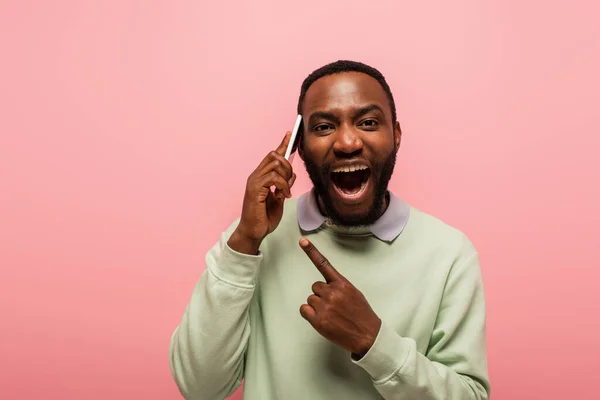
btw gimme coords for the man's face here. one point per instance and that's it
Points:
(349, 145)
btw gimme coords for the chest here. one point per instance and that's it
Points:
(403, 286)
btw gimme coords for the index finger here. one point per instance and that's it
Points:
(284, 144)
(323, 265)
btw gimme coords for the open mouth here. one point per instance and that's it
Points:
(351, 181)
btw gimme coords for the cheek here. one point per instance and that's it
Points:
(315, 150)
(383, 145)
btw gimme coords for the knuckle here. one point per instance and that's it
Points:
(338, 295)
(328, 294)
(324, 323)
(334, 296)
(344, 285)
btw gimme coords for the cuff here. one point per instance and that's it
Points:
(236, 268)
(387, 355)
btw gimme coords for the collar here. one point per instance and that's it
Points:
(386, 228)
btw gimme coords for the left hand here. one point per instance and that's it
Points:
(337, 309)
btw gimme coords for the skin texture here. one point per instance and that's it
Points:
(347, 118)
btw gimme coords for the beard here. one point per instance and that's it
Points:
(381, 173)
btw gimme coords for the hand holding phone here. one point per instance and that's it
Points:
(262, 208)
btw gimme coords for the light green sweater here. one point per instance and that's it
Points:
(243, 319)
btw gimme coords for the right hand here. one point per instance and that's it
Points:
(262, 209)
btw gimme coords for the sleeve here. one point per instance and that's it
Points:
(208, 347)
(455, 364)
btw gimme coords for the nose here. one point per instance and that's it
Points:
(348, 142)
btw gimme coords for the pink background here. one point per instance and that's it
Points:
(128, 128)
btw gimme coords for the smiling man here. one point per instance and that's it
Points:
(346, 292)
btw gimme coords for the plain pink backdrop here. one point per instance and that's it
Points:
(128, 128)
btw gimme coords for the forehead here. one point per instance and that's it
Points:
(344, 92)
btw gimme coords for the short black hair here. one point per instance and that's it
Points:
(340, 66)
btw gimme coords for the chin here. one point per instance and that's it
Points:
(352, 209)
(351, 212)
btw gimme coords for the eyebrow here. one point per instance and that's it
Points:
(329, 116)
(323, 115)
(367, 109)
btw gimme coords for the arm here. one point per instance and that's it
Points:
(208, 347)
(455, 366)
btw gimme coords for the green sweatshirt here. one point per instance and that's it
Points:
(243, 320)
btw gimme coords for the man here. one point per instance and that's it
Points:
(346, 293)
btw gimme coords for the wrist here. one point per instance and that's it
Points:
(243, 244)
(368, 341)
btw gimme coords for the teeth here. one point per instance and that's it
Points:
(351, 168)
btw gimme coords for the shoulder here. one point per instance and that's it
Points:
(437, 234)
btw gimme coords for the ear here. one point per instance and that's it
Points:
(397, 135)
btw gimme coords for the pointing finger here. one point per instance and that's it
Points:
(323, 265)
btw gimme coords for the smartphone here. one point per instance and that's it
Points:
(289, 152)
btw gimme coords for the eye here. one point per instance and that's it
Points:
(369, 123)
(322, 128)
